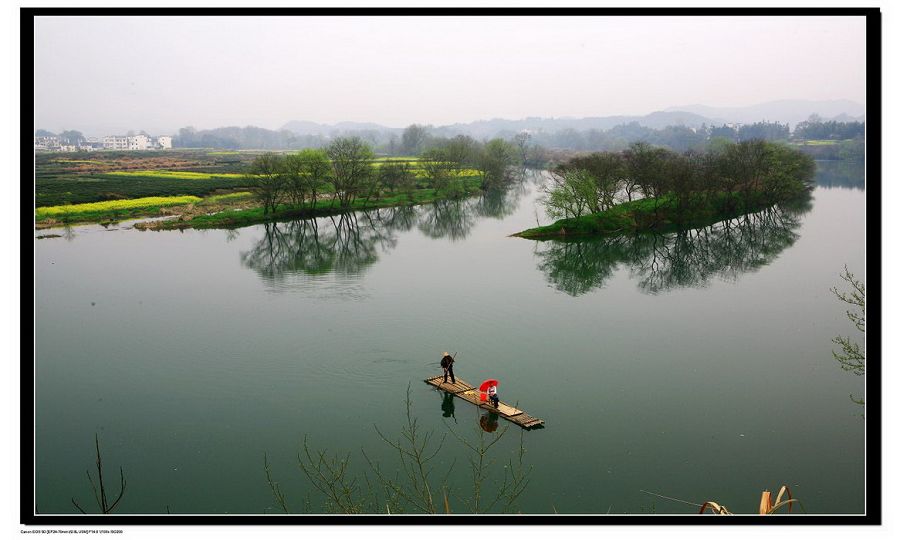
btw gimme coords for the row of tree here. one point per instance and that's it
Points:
(757, 169)
(347, 167)
(67, 136)
(243, 137)
(416, 138)
(815, 128)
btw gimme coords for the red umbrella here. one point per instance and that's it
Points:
(484, 386)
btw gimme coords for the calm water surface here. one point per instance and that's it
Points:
(697, 365)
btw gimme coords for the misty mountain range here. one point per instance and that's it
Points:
(791, 111)
(784, 111)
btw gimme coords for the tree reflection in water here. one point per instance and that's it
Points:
(350, 243)
(841, 174)
(499, 204)
(450, 218)
(346, 244)
(662, 262)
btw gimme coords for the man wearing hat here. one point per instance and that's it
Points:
(447, 364)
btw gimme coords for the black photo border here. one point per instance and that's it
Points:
(873, 453)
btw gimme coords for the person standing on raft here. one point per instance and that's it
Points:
(492, 395)
(447, 365)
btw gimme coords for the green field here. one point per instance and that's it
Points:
(108, 186)
(111, 175)
(103, 176)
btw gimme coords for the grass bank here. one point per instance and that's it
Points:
(662, 214)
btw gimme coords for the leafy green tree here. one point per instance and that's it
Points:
(71, 137)
(268, 181)
(292, 169)
(788, 174)
(437, 167)
(307, 172)
(351, 164)
(607, 177)
(494, 162)
(769, 131)
(394, 174)
(413, 139)
(646, 169)
(565, 194)
(723, 132)
(461, 151)
(816, 128)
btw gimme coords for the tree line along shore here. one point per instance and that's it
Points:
(344, 176)
(644, 187)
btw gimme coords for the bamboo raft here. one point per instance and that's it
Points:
(467, 392)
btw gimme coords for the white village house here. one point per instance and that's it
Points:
(110, 142)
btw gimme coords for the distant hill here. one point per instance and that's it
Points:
(791, 111)
(497, 126)
(500, 127)
(784, 111)
(300, 127)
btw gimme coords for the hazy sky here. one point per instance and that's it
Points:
(111, 74)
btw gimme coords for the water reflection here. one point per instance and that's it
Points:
(452, 219)
(499, 204)
(348, 244)
(344, 245)
(841, 174)
(489, 422)
(661, 262)
(448, 407)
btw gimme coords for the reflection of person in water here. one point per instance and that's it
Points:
(489, 422)
(448, 406)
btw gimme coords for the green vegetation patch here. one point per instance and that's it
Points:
(106, 210)
(228, 198)
(76, 189)
(662, 214)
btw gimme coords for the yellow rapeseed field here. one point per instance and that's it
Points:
(111, 206)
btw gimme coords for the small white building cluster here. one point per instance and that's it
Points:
(110, 142)
(137, 142)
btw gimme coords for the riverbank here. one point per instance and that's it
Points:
(221, 211)
(662, 214)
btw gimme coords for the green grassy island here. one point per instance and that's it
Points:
(652, 189)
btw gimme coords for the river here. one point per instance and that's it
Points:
(697, 366)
